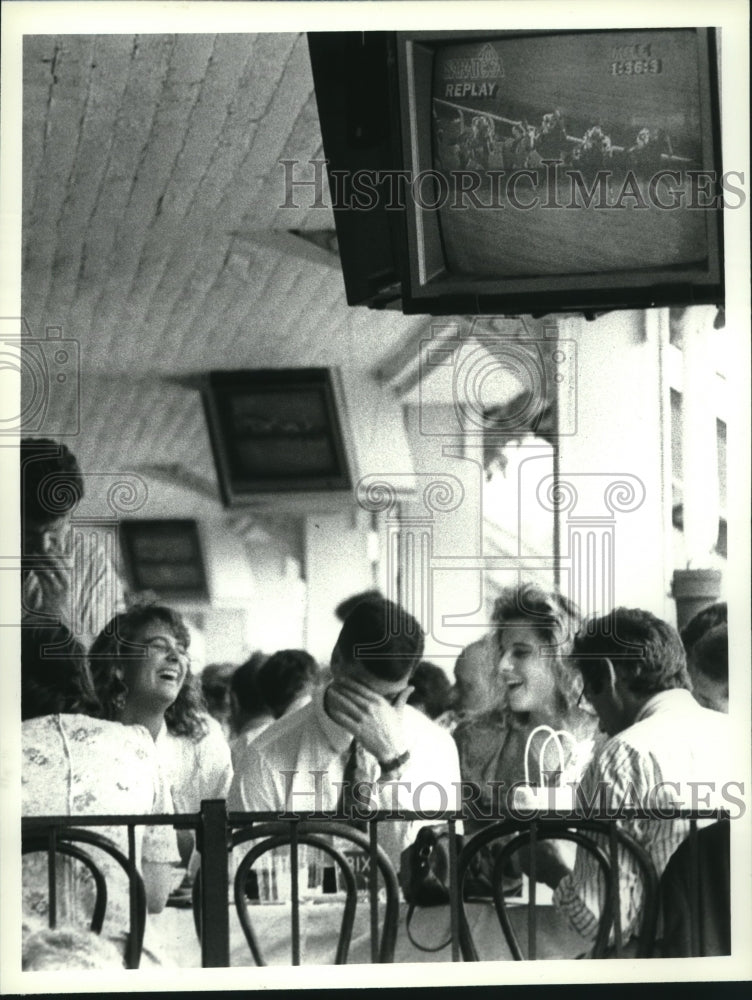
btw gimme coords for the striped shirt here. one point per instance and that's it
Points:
(676, 753)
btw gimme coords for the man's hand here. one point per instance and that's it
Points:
(375, 723)
(551, 862)
(46, 588)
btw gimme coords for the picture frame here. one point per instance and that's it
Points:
(275, 431)
(165, 557)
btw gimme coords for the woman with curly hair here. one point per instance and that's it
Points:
(142, 675)
(508, 746)
(75, 763)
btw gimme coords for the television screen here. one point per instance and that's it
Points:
(164, 556)
(275, 431)
(615, 114)
(524, 171)
(583, 166)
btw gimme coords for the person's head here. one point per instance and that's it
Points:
(287, 675)
(626, 657)
(708, 669)
(140, 666)
(54, 677)
(702, 622)
(475, 687)
(51, 487)
(215, 687)
(380, 644)
(344, 608)
(247, 703)
(432, 690)
(534, 632)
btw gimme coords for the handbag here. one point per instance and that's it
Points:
(423, 875)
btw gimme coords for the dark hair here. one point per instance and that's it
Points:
(284, 677)
(383, 638)
(344, 608)
(556, 619)
(244, 686)
(215, 686)
(54, 678)
(433, 689)
(646, 651)
(51, 480)
(115, 645)
(711, 654)
(702, 622)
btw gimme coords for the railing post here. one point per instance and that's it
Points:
(135, 938)
(215, 923)
(455, 890)
(294, 892)
(373, 889)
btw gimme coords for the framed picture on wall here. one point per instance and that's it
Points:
(164, 556)
(275, 431)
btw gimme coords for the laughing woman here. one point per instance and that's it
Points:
(141, 671)
(533, 632)
(75, 763)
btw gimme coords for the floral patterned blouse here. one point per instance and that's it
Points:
(74, 765)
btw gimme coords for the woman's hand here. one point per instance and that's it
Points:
(551, 862)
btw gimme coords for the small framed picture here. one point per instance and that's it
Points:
(164, 556)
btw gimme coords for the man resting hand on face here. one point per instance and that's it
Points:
(357, 746)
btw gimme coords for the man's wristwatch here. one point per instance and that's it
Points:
(390, 767)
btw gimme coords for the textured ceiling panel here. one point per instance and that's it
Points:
(150, 162)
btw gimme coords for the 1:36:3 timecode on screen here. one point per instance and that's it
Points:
(635, 67)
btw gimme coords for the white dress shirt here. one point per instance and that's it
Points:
(298, 765)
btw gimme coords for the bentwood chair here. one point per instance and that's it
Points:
(65, 842)
(321, 835)
(517, 837)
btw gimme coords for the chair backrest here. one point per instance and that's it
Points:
(64, 841)
(318, 834)
(515, 836)
(696, 895)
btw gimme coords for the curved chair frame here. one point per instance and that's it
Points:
(314, 834)
(65, 844)
(522, 837)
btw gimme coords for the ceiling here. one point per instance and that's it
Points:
(154, 240)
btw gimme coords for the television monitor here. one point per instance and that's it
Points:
(524, 171)
(275, 431)
(165, 557)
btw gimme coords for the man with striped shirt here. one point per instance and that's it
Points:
(68, 571)
(664, 750)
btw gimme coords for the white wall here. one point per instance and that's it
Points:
(336, 566)
(618, 437)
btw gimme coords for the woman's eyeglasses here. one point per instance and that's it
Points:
(164, 646)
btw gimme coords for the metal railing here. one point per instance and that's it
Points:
(218, 831)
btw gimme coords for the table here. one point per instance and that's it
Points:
(319, 926)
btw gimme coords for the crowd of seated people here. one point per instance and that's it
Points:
(540, 699)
